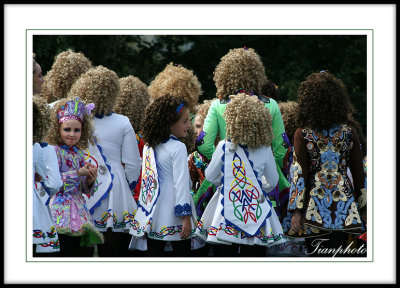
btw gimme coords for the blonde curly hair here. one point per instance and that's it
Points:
(132, 100)
(68, 66)
(54, 137)
(176, 80)
(289, 116)
(241, 68)
(98, 85)
(202, 109)
(248, 121)
(41, 115)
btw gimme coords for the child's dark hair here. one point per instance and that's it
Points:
(269, 89)
(158, 118)
(322, 102)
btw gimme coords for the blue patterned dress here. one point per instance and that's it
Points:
(320, 187)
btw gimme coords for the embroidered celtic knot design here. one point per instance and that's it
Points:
(243, 194)
(149, 182)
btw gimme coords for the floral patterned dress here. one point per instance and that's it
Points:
(68, 207)
(320, 186)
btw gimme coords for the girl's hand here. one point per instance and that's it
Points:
(364, 214)
(186, 227)
(38, 178)
(296, 221)
(84, 171)
(92, 175)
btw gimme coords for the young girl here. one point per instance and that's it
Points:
(113, 212)
(242, 71)
(48, 179)
(131, 102)
(165, 206)
(322, 199)
(240, 211)
(71, 130)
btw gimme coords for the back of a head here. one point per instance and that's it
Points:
(322, 102)
(176, 80)
(248, 121)
(100, 86)
(68, 66)
(241, 68)
(41, 116)
(289, 116)
(132, 100)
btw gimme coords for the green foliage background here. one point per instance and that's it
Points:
(288, 59)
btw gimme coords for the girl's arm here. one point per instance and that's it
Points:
(299, 182)
(53, 178)
(278, 129)
(270, 173)
(130, 155)
(181, 180)
(213, 172)
(183, 198)
(359, 178)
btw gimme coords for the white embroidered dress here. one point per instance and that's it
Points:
(116, 140)
(252, 220)
(46, 165)
(163, 221)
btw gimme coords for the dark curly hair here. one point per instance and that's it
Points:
(190, 140)
(322, 102)
(269, 89)
(158, 118)
(289, 116)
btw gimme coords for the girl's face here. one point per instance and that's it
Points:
(198, 125)
(37, 80)
(180, 128)
(70, 132)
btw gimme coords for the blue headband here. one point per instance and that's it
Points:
(180, 107)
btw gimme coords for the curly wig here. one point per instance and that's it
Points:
(100, 86)
(158, 118)
(323, 102)
(202, 109)
(54, 137)
(68, 66)
(241, 68)
(176, 80)
(132, 100)
(289, 116)
(248, 121)
(41, 115)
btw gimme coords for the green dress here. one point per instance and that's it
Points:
(215, 124)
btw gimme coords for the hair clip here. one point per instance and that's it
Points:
(89, 107)
(322, 71)
(245, 48)
(180, 107)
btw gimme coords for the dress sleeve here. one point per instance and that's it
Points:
(299, 172)
(130, 155)
(213, 171)
(270, 173)
(278, 129)
(181, 180)
(210, 128)
(52, 180)
(357, 171)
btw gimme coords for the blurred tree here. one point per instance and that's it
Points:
(288, 59)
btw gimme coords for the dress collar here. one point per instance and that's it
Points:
(100, 116)
(72, 149)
